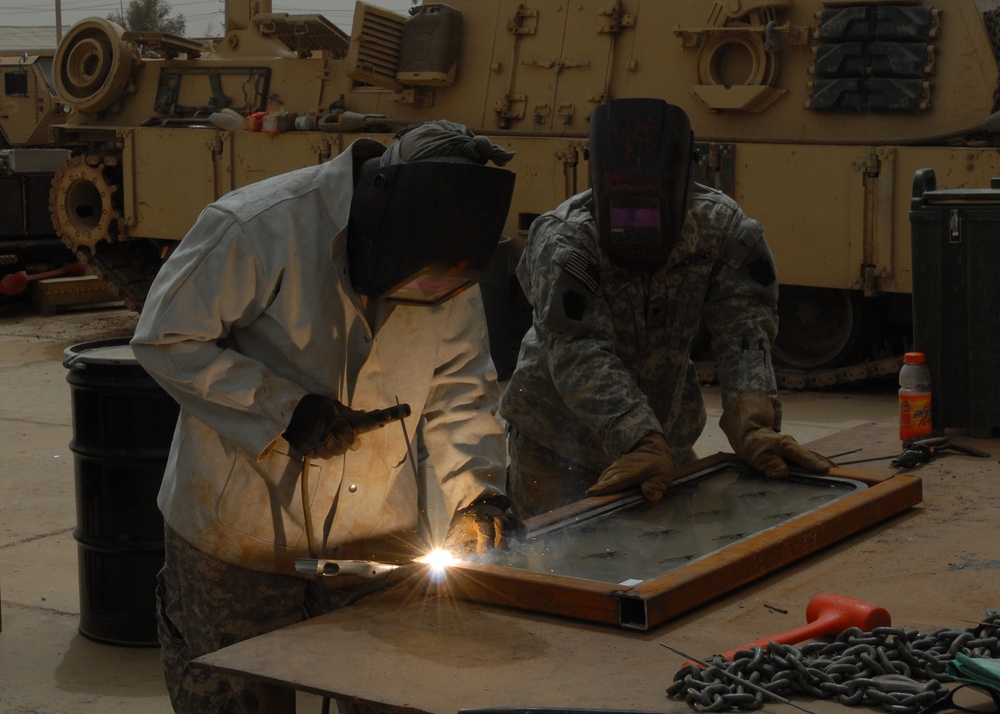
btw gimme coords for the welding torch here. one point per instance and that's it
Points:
(437, 560)
(368, 569)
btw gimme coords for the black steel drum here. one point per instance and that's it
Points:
(123, 423)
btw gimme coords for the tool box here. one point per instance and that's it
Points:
(955, 246)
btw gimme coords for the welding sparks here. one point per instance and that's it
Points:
(438, 559)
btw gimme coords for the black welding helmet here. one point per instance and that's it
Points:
(427, 217)
(640, 171)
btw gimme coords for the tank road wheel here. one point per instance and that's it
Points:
(93, 65)
(85, 201)
(86, 207)
(818, 328)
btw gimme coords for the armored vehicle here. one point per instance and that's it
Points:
(813, 114)
(28, 106)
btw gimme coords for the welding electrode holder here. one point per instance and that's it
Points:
(921, 451)
(363, 422)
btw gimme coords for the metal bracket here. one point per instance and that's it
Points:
(517, 24)
(955, 227)
(557, 64)
(619, 19)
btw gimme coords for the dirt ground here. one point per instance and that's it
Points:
(936, 565)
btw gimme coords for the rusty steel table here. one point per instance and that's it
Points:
(404, 650)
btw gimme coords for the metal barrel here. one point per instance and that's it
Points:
(123, 423)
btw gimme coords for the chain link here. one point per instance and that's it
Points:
(898, 670)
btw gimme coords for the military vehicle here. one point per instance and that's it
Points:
(28, 106)
(813, 114)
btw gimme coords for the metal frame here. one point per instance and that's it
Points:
(654, 601)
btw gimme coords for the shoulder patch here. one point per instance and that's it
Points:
(574, 305)
(762, 271)
(582, 267)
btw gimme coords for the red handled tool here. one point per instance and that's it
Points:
(828, 615)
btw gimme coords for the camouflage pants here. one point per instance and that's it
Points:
(204, 604)
(539, 480)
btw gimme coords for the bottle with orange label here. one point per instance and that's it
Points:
(915, 420)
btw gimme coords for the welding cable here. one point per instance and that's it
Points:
(306, 512)
(425, 522)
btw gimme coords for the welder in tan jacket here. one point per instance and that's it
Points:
(292, 307)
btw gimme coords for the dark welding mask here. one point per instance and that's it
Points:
(424, 231)
(640, 171)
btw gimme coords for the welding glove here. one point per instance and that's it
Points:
(649, 463)
(483, 526)
(751, 421)
(321, 427)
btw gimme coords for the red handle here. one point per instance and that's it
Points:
(830, 624)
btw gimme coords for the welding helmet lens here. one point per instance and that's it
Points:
(640, 170)
(422, 232)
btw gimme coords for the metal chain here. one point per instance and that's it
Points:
(899, 670)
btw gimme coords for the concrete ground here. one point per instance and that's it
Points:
(46, 666)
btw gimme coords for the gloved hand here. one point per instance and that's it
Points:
(648, 463)
(750, 421)
(483, 526)
(321, 427)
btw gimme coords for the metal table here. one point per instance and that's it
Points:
(407, 650)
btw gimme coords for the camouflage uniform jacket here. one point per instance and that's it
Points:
(254, 310)
(607, 359)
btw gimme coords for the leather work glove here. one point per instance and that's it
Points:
(648, 463)
(482, 527)
(321, 427)
(750, 422)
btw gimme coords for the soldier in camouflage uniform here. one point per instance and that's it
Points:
(605, 395)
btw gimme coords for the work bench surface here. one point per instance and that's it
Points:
(408, 650)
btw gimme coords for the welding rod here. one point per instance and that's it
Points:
(740, 680)
(843, 453)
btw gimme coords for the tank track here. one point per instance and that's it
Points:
(794, 379)
(128, 269)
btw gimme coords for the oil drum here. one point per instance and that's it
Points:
(123, 423)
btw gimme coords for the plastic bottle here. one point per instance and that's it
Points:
(915, 420)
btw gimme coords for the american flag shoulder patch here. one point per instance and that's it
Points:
(582, 267)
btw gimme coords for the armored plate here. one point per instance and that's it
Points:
(634, 540)
(628, 561)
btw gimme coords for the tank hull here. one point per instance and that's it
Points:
(814, 116)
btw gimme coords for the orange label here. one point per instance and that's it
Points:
(915, 416)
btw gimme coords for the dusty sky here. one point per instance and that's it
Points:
(203, 17)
